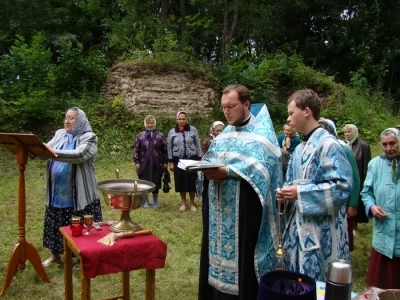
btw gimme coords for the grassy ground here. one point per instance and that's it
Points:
(181, 231)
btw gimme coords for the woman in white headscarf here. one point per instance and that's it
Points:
(362, 153)
(150, 156)
(215, 129)
(381, 196)
(71, 183)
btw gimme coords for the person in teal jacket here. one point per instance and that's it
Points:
(381, 197)
(288, 140)
(352, 203)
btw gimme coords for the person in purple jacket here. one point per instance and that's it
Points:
(150, 156)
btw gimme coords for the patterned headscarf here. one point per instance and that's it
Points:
(329, 125)
(212, 128)
(181, 129)
(395, 161)
(181, 112)
(354, 134)
(148, 133)
(82, 124)
(152, 117)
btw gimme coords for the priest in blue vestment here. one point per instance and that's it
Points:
(240, 229)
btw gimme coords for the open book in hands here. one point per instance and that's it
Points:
(195, 165)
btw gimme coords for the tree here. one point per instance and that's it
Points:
(164, 13)
(183, 23)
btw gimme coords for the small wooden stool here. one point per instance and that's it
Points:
(134, 255)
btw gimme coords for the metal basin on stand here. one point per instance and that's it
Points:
(125, 195)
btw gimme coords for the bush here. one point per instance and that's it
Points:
(369, 111)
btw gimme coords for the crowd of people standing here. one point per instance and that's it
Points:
(325, 185)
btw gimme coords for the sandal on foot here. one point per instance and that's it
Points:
(193, 208)
(49, 261)
(182, 208)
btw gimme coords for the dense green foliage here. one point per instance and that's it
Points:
(56, 54)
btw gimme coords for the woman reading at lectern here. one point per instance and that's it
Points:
(70, 180)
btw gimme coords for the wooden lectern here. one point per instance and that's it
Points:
(23, 146)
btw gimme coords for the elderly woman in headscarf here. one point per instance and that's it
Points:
(150, 156)
(184, 142)
(362, 153)
(381, 196)
(71, 183)
(352, 202)
(215, 129)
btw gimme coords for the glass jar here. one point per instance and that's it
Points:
(76, 226)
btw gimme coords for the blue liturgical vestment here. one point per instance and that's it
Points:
(316, 224)
(252, 155)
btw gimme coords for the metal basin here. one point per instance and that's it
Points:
(125, 194)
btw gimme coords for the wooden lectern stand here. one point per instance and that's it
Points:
(23, 146)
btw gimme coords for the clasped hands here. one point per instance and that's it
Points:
(287, 193)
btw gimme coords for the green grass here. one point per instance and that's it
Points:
(181, 232)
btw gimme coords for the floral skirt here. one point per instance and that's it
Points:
(55, 218)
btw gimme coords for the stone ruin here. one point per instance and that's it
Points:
(157, 88)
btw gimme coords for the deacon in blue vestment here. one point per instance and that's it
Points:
(318, 185)
(240, 230)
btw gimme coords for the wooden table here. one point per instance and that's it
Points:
(142, 252)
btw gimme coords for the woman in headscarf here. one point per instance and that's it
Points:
(381, 196)
(150, 156)
(362, 153)
(215, 129)
(71, 183)
(184, 142)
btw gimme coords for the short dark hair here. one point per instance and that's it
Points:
(307, 98)
(242, 91)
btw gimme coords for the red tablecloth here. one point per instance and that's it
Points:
(141, 252)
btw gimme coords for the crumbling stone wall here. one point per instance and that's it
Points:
(159, 88)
